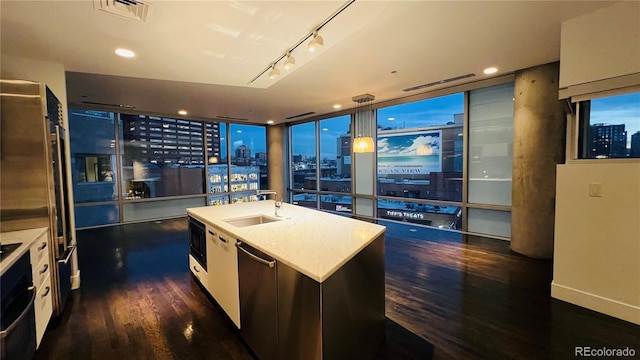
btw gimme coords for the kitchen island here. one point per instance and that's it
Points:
(304, 284)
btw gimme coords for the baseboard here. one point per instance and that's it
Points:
(597, 303)
(75, 281)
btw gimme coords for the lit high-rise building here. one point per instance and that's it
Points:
(635, 145)
(608, 141)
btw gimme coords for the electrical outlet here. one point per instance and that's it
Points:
(595, 189)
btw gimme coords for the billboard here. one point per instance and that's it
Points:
(410, 153)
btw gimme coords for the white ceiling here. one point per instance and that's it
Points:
(201, 55)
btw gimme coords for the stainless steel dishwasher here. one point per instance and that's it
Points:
(257, 275)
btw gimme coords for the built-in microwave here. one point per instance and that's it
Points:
(198, 241)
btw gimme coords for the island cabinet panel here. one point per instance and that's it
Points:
(211, 254)
(299, 315)
(340, 318)
(353, 320)
(222, 258)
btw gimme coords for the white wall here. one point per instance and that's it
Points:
(53, 75)
(601, 45)
(597, 239)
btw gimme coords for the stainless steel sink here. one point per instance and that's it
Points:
(251, 220)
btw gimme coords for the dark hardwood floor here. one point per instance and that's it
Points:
(449, 296)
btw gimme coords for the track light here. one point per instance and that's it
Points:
(290, 62)
(316, 42)
(274, 73)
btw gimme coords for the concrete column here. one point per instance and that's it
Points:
(276, 152)
(539, 135)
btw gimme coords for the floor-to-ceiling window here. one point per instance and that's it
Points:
(248, 161)
(160, 158)
(443, 161)
(303, 165)
(94, 170)
(334, 164)
(490, 160)
(138, 167)
(217, 164)
(420, 161)
(320, 164)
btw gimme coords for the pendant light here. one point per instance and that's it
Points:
(363, 124)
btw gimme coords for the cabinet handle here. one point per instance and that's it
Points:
(212, 233)
(196, 269)
(44, 268)
(44, 245)
(46, 291)
(223, 239)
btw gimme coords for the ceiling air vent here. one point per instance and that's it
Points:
(122, 106)
(300, 115)
(131, 9)
(223, 117)
(423, 86)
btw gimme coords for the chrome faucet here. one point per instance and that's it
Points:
(261, 193)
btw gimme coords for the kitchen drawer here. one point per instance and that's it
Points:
(40, 272)
(40, 248)
(43, 305)
(198, 271)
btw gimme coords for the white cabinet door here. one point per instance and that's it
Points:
(222, 261)
(43, 308)
(212, 255)
(41, 270)
(228, 265)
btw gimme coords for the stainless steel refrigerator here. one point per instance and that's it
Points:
(33, 181)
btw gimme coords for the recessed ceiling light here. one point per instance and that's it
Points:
(182, 112)
(490, 70)
(391, 119)
(337, 106)
(125, 53)
(239, 131)
(270, 122)
(325, 129)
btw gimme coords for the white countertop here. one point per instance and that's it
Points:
(26, 237)
(313, 242)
